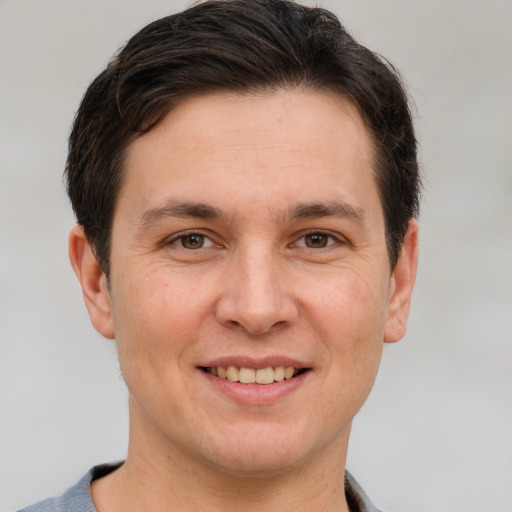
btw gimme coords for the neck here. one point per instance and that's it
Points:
(155, 476)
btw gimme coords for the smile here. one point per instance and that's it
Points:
(244, 375)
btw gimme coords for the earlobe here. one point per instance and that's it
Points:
(402, 283)
(93, 282)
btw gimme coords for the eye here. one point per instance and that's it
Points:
(316, 240)
(192, 241)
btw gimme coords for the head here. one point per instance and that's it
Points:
(241, 47)
(244, 175)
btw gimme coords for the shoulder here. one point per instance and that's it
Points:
(49, 505)
(357, 499)
(77, 498)
(41, 506)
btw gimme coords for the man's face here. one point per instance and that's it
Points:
(249, 234)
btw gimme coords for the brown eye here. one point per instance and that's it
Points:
(316, 240)
(192, 241)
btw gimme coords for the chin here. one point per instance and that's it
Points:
(260, 463)
(265, 453)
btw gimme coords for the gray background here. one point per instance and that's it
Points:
(436, 433)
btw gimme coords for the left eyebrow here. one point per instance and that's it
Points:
(331, 209)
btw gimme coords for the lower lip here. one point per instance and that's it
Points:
(256, 394)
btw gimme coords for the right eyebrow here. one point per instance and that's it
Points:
(180, 209)
(317, 210)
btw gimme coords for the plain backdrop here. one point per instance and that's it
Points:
(436, 432)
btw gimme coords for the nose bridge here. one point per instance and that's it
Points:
(256, 296)
(258, 285)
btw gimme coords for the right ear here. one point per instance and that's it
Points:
(93, 282)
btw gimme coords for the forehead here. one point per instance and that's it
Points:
(264, 116)
(277, 145)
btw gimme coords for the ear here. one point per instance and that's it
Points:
(93, 282)
(402, 283)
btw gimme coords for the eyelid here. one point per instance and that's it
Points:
(173, 239)
(338, 239)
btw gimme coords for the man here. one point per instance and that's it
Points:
(245, 182)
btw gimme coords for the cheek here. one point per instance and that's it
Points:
(350, 320)
(156, 331)
(352, 309)
(153, 323)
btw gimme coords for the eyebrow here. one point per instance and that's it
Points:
(316, 210)
(186, 209)
(181, 209)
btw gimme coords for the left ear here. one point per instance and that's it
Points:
(402, 283)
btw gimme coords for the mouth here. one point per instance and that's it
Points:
(262, 376)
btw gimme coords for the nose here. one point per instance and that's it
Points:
(255, 295)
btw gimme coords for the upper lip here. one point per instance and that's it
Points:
(256, 363)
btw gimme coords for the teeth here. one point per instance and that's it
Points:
(279, 373)
(247, 375)
(264, 376)
(288, 372)
(252, 376)
(233, 374)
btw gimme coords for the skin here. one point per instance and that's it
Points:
(266, 171)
